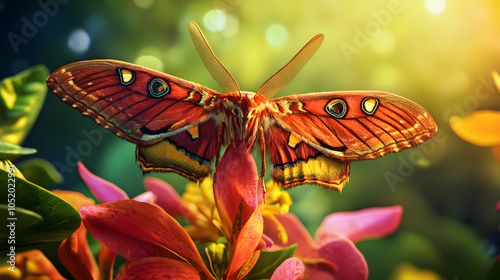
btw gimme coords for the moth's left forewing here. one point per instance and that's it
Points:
(172, 120)
(121, 97)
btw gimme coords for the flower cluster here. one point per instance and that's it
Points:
(246, 232)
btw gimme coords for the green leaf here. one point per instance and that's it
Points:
(24, 217)
(21, 98)
(7, 166)
(58, 218)
(268, 262)
(7, 148)
(40, 172)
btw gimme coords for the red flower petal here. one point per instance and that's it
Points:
(290, 269)
(347, 259)
(363, 224)
(497, 208)
(168, 199)
(103, 190)
(297, 234)
(106, 261)
(236, 192)
(236, 184)
(138, 230)
(244, 246)
(158, 268)
(34, 265)
(75, 255)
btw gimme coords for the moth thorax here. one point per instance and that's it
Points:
(248, 94)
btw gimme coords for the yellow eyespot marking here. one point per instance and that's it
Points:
(194, 132)
(369, 105)
(126, 76)
(293, 141)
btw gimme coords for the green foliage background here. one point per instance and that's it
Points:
(448, 187)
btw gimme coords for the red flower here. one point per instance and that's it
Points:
(153, 242)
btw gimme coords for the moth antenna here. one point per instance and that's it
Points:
(286, 74)
(216, 69)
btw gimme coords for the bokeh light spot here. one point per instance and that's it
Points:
(145, 4)
(79, 41)
(150, 61)
(435, 7)
(384, 43)
(232, 26)
(215, 20)
(276, 35)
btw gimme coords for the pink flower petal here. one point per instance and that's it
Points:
(168, 199)
(347, 259)
(103, 190)
(236, 190)
(297, 234)
(138, 230)
(497, 208)
(158, 268)
(147, 197)
(268, 242)
(290, 269)
(357, 225)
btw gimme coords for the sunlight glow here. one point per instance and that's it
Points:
(384, 43)
(276, 35)
(435, 7)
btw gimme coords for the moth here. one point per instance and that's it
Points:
(180, 126)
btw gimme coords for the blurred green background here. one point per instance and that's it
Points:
(437, 53)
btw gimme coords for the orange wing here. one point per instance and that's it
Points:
(314, 134)
(163, 114)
